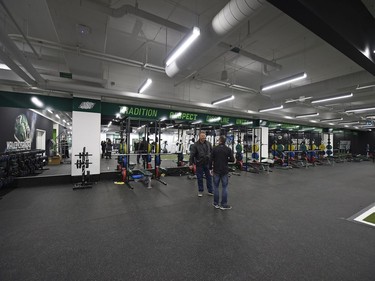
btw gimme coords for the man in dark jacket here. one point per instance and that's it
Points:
(220, 157)
(200, 155)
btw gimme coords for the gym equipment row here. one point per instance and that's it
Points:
(21, 164)
(128, 173)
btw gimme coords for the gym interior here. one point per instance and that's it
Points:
(96, 182)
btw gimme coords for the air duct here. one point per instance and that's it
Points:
(229, 18)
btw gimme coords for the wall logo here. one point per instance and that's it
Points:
(87, 105)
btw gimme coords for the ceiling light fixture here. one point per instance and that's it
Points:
(365, 86)
(370, 117)
(57, 116)
(144, 85)
(307, 115)
(223, 100)
(333, 98)
(49, 110)
(349, 122)
(4, 66)
(271, 108)
(360, 109)
(332, 120)
(284, 81)
(185, 43)
(228, 125)
(300, 99)
(37, 102)
(109, 124)
(196, 122)
(176, 115)
(216, 119)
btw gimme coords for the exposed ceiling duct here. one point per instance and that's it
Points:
(230, 17)
(128, 9)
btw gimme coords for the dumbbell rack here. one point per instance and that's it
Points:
(83, 163)
(20, 164)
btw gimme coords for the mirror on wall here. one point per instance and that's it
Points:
(35, 142)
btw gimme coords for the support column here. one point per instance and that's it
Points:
(86, 133)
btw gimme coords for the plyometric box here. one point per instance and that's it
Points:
(54, 160)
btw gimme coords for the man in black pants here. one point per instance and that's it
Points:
(200, 155)
(220, 157)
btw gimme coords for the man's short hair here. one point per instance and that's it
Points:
(222, 139)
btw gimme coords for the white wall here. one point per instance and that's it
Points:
(86, 133)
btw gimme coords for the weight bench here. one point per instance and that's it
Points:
(257, 167)
(143, 176)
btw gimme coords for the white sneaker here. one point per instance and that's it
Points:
(200, 194)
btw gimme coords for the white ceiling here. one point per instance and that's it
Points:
(108, 61)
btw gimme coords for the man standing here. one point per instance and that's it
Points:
(200, 155)
(220, 157)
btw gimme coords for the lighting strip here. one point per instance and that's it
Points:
(145, 85)
(365, 86)
(349, 123)
(360, 109)
(196, 122)
(214, 119)
(333, 98)
(271, 109)
(176, 115)
(227, 125)
(284, 81)
(299, 99)
(332, 120)
(223, 100)
(45, 116)
(192, 37)
(4, 66)
(37, 102)
(307, 115)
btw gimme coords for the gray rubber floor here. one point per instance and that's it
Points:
(287, 225)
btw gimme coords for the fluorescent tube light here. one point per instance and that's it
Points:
(123, 109)
(271, 108)
(57, 116)
(109, 124)
(360, 109)
(49, 110)
(37, 102)
(176, 115)
(284, 81)
(331, 120)
(196, 122)
(184, 45)
(247, 123)
(307, 115)
(145, 85)
(223, 100)
(333, 98)
(300, 99)
(4, 66)
(216, 119)
(228, 125)
(359, 87)
(349, 122)
(370, 117)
